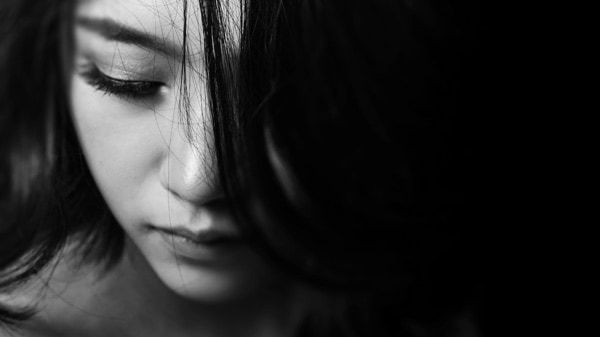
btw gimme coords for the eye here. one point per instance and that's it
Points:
(123, 88)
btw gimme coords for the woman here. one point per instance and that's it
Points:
(236, 168)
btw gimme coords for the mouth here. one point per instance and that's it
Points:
(201, 245)
(201, 237)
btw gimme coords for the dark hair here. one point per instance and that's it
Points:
(46, 191)
(343, 140)
(357, 155)
(353, 129)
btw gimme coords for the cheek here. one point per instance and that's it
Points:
(118, 143)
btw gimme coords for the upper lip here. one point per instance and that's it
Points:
(203, 236)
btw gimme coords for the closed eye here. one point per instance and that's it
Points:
(127, 89)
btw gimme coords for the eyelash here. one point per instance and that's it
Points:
(121, 88)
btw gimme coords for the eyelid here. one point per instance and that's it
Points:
(128, 71)
(110, 78)
(136, 89)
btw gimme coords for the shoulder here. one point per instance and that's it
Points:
(60, 297)
(75, 299)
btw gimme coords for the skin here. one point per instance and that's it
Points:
(148, 170)
(153, 172)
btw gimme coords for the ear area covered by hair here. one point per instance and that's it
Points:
(40, 162)
(365, 118)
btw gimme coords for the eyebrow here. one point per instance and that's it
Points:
(114, 31)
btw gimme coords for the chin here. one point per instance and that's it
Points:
(208, 275)
(204, 285)
(215, 284)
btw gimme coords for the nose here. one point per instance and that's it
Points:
(188, 168)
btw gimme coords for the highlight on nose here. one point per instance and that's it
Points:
(188, 169)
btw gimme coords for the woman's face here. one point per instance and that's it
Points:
(152, 161)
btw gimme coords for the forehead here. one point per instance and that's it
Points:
(167, 20)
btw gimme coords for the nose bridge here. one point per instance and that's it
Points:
(189, 169)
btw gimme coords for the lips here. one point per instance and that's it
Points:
(201, 237)
(206, 245)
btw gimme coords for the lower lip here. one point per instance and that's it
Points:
(190, 251)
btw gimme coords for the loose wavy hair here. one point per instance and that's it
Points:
(343, 140)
